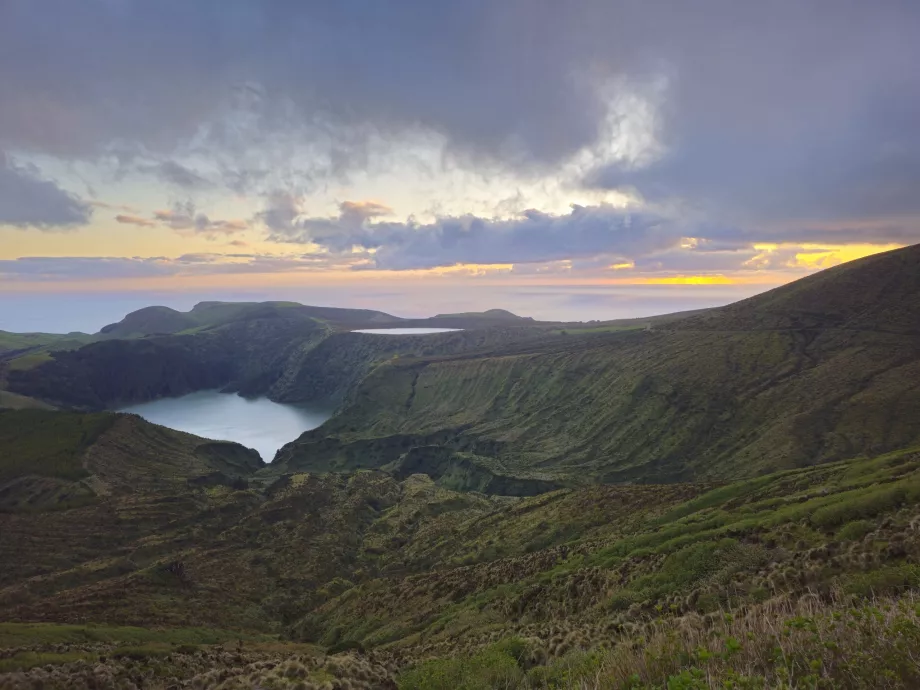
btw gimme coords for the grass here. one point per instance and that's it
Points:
(47, 443)
(41, 634)
(42, 644)
(21, 341)
(14, 401)
(402, 572)
(29, 361)
(807, 643)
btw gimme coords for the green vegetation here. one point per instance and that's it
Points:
(810, 644)
(602, 582)
(30, 341)
(12, 634)
(14, 401)
(46, 443)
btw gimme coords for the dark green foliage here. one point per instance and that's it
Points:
(865, 504)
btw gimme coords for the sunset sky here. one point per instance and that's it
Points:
(580, 159)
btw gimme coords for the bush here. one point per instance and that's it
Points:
(863, 504)
(855, 530)
(569, 671)
(888, 580)
(494, 667)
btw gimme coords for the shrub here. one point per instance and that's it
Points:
(493, 667)
(855, 530)
(866, 503)
(887, 580)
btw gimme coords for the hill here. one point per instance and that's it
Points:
(287, 351)
(206, 315)
(500, 314)
(755, 387)
(54, 460)
(726, 499)
(879, 293)
(380, 581)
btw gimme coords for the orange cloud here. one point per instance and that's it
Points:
(365, 209)
(135, 220)
(114, 207)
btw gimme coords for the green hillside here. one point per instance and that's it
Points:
(404, 582)
(732, 393)
(10, 342)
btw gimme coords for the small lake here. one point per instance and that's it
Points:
(406, 331)
(255, 423)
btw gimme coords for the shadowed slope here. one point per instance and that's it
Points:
(879, 293)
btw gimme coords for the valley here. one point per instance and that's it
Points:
(731, 494)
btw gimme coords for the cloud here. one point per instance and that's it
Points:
(177, 175)
(135, 220)
(28, 201)
(63, 269)
(589, 240)
(865, 166)
(114, 207)
(51, 269)
(533, 237)
(446, 67)
(755, 117)
(280, 212)
(183, 217)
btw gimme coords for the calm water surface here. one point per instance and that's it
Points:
(256, 423)
(407, 331)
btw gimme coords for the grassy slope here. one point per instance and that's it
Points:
(14, 401)
(21, 341)
(48, 444)
(764, 385)
(415, 571)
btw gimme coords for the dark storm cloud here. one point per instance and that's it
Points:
(778, 111)
(865, 166)
(27, 200)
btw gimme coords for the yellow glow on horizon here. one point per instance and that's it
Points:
(816, 256)
(718, 279)
(775, 265)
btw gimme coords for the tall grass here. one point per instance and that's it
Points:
(843, 642)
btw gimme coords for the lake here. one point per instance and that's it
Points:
(255, 423)
(406, 331)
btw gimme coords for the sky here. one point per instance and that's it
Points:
(576, 160)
